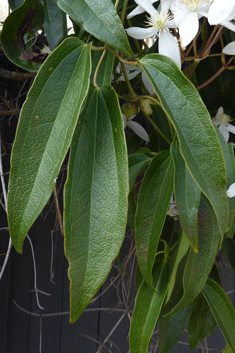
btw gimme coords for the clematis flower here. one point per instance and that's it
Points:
(220, 11)
(222, 120)
(187, 14)
(231, 191)
(159, 24)
(173, 210)
(136, 127)
(139, 9)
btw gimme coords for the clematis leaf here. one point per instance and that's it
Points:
(95, 196)
(44, 133)
(147, 308)
(198, 141)
(29, 17)
(100, 19)
(55, 24)
(222, 309)
(187, 195)
(171, 328)
(153, 202)
(199, 265)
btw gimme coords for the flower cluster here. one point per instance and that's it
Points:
(183, 16)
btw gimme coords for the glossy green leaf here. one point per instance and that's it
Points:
(182, 248)
(95, 196)
(222, 309)
(100, 19)
(55, 25)
(170, 329)
(153, 202)
(199, 265)
(44, 133)
(136, 161)
(29, 17)
(147, 309)
(106, 68)
(201, 323)
(187, 195)
(199, 144)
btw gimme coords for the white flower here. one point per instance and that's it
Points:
(220, 11)
(186, 15)
(222, 120)
(159, 24)
(136, 127)
(134, 72)
(229, 49)
(231, 191)
(139, 9)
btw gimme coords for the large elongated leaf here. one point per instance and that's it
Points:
(147, 309)
(199, 265)
(201, 323)
(55, 25)
(44, 133)
(198, 140)
(100, 19)
(153, 202)
(95, 196)
(181, 251)
(222, 309)
(171, 328)
(187, 194)
(29, 17)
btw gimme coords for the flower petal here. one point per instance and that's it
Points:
(229, 49)
(231, 191)
(230, 128)
(224, 132)
(139, 130)
(147, 83)
(147, 6)
(220, 11)
(188, 28)
(167, 45)
(141, 33)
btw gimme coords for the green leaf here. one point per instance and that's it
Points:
(29, 17)
(201, 323)
(182, 248)
(137, 161)
(227, 349)
(106, 68)
(147, 309)
(44, 133)
(187, 195)
(100, 19)
(171, 328)
(199, 265)
(153, 202)
(95, 196)
(55, 25)
(222, 309)
(199, 144)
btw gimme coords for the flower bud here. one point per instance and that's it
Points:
(130, 109)
(145, 106)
